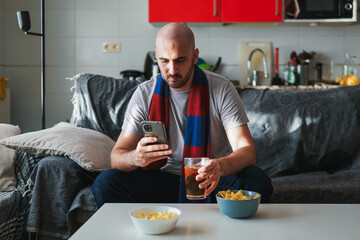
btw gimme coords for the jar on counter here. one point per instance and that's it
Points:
(350, 65)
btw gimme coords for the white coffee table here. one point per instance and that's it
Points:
(206, 222)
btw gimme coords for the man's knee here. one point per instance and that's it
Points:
(101, 187)
(256, 173)
(258, 180)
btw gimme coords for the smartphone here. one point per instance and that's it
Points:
(155, 129)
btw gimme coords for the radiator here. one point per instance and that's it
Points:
(5, 108)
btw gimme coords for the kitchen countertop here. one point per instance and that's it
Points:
(299, 87)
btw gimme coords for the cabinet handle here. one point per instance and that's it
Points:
(215, 8)
(276, 8)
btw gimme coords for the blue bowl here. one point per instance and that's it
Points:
(239, 208)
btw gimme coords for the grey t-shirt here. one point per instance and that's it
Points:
(226, 112)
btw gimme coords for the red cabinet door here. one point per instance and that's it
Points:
(184, 10)
(251, 11)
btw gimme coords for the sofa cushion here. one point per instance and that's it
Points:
(317, 187)
(7, 158)
(88, 148)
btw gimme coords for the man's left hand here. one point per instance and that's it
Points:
(211, 173)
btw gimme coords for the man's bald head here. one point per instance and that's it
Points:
(176, 55)
(176, 32)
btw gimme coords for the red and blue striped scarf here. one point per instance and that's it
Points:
(197, 130)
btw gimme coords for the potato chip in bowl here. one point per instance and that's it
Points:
(239, 195)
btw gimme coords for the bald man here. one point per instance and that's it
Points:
(232, 149)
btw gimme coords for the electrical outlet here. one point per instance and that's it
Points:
(113, 47)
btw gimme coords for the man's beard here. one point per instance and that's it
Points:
(180, 81)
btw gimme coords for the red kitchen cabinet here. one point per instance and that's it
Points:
(184, 10)
(251, 11)
(215, 11)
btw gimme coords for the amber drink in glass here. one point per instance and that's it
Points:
(191, 167)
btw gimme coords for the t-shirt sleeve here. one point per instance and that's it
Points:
(136, 113)
(232, 112)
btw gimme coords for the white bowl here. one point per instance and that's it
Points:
(154, 226)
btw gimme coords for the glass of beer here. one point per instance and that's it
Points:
(191, 167)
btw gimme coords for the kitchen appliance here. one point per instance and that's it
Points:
(319, 72)
(131, 74)
(320, 10)
(305, 59)
(151, 69)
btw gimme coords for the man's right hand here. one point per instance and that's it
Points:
(148, 152)
(132, 151)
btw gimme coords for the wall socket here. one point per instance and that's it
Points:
(113, 47)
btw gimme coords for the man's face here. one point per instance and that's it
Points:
(176, 62)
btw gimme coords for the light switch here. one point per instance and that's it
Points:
(113, 47)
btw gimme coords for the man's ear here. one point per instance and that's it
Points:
(196, 55)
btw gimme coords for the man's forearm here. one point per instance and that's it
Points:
(237, 160)
(121, 159)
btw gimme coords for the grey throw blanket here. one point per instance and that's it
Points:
(100, 102)
(14, 205)
(60, 188)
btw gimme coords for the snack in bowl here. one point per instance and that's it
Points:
(157, 215)
(155, 219)
(236, 196)
(238, 203)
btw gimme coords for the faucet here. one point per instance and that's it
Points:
(255, 73)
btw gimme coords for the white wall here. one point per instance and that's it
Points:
(2, 35)
(76, 29)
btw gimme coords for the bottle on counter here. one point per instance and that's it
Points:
(293, 76)
(287, 74)
(355, 68)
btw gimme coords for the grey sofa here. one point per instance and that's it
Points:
(307, 139)
(308, 142)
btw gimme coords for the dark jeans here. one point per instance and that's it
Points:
(115, 186)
